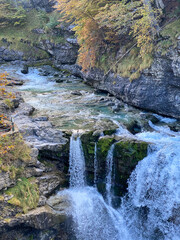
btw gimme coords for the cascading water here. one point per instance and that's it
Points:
(109, 168)
(121, 130)
(76, 163)
(151, 209)
(93, 218)
(95, 164)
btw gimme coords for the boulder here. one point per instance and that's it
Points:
(25, 69)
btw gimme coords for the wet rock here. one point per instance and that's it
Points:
(60, 80)
(41, 119)
(25, 69)
(24, 109)
(134, 127)
(77, 93)
(8, 55)
(127, 154)
(73, 69)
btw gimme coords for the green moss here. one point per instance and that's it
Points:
(103, 147)
(9, 103)
(16, 151)
(130, 151)
(88, 144)
(127, 154)
(109, 132)
(26, 194)
(170, 33)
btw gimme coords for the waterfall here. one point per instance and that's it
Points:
(152, 207)
(76, 163)
(109, 167)
(93, 218)
(95, 164)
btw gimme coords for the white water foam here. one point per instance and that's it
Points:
(76, 163)
(109, 168)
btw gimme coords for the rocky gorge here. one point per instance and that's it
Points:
(50, 144)
(99, 161)
(157, 89)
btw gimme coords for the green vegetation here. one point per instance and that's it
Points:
(11, 15)
(170, 34)
(103, 147)
(12, 149)
(127, 154)
(17, 150)
(9, 103)
(26, 194)
(129, 151)
(88, 144)
(23, 38)
(103, 27)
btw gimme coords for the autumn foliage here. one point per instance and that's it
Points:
(4, 94)
(102, 26)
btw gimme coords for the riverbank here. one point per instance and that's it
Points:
(50, 148)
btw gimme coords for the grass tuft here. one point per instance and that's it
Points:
(26, 194)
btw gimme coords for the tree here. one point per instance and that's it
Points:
(90, 37)
(11, 15)
(100, 25)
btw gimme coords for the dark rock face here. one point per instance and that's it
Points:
(7, 55)
(157, 90)
(63, 53)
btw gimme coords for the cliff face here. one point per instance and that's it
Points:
(157, 90)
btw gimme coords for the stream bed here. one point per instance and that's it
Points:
(151, 208)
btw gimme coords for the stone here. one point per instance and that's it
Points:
(127, 154)
(77, 93)
(25, 69)
(24, 109)
(6, 180)
(48, 183)
(176, 67)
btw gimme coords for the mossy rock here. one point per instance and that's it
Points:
(103, 147)
(88, 143)
(109, 132)
(127, 154)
